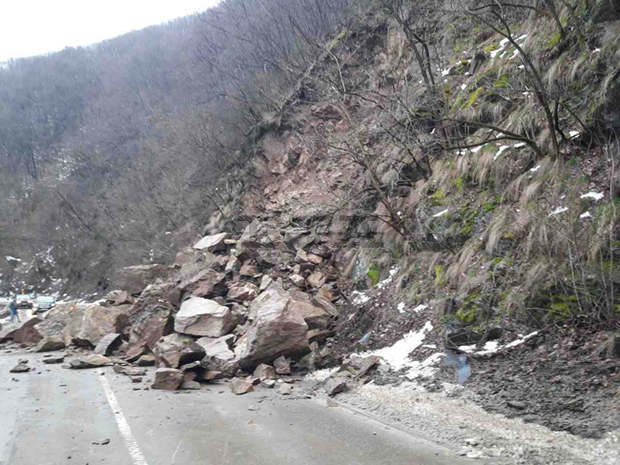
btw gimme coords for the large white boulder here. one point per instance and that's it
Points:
(204, 317)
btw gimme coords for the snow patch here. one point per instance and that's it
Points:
(558, 210)
(501, 150)
(536, 168)
(596, 196)
(441, 213)
(359, 298)
(397, 355)
(585, 215)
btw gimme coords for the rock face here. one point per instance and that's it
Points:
(175, 350)
(212, 243)
(277, 329)
(168, 379)
(204, 317)
(49, 344)
(134, 279)
(108, 343)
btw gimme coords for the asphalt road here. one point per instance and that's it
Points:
(54, 416)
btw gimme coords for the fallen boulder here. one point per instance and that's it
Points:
(282, 365)
(49, 344)
(264, 372)
(177, 349)
(134, 279)
(54, 359)
(241, 386)
(108, 344)
(21, 367)
(27, 333)
(204, 317)
(89, 361)
(335, 385)
(218, 355)
(168, 379)
(212, 243)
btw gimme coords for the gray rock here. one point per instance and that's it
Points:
(21, 367)
(174, 350)
(49, 344)
(264, 372)
(336, 385)
(89, 361)
(54, 360)
(146, 360)
(212, 243)
(204, 317)
(282, 365)
(285, 389)
(241, 386)
(168, 379)
(108, 344)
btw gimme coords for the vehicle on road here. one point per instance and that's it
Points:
(24, 301)
(44, 303)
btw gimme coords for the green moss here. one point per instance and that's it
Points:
(467, 312)
(439, 276)
(491, 48)
(554, 40)
(373, 274)
(459, 183)
(473, 97)
(502, 82)
(489, 206)
(437, 198)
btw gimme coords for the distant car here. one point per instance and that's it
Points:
(44, 302)
(23, 301)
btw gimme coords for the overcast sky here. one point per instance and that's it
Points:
(35, 27)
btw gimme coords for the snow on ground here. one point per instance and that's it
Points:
(441, 213)
(596, 196)
(558, 210)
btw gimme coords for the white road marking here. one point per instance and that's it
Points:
(134, 451)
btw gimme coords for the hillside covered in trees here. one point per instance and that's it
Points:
(443, 171)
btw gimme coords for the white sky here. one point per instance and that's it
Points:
(35, 27)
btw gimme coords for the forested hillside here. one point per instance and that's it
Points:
(111, 154)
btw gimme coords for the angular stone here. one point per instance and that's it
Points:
(205, 283)
(298, 280)
(242, 292)
(317, 279)
(151, 318)
(134, 279)
(129, 370)
(119, 297)
(218, 355)
(146, 360)
(282, 365)
(241, 386)
(89, 361)
(265, 282)
(212, 243)
(54, 360)
(177, 349)
(108, 344)
(248, 269)
(49, 344)
(276, 329)
(269, 383)
(335, 385)
(203, 317)
(168, 379)
(27, 333)
(20, 368)
(285, 389)
(264, 372)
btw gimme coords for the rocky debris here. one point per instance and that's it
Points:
(189, 382)
(83, 324)
(335, 385)
(168, 379)
(242, 291)
(278, 328)
(54, 359)
(316, 279)
(359, 367)
(146, 360)
(248, 270)
(241, 386)
(134, 279)
(204, 317)
(282, 365)
(177, 349)
(151, 318)
(89, 361)
(119, 297)
(21, 367)
(264, 372)
(298, 280)
(108, 344)
(129, 370)
(205, 283)
(218, 355)
(49, 344)
(212, 243)
(27, 333)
